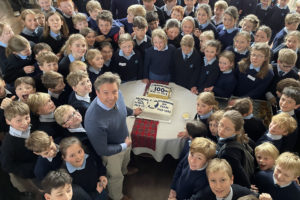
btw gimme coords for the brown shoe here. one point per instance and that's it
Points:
(132, 170)
(125, 198)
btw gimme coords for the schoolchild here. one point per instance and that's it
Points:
(31, 30)
(263, 34)
(202, 17)
(66, 8)
(107, 52)
(281, 125)
(82, 87)
(213, 122)
(244, 7)
(54, 83)
(205, 36)
(190, 9)
(46, 6)
(177, 13)
(24, 86)
(172, 29)
(75, 49)
(86, 169)
(152, 20)
(190, 176)
(210, 71)
(40, 17)
(266, 154)
(292, 21)
(226, 82)
(90, 37)
(80, 21)
(93, 8)
(55, 32)
(49, 157)
(188, 28)
(167, 8)
(228, 29)
(127, 62)
(280, 183)
(19, 59)
(159, 58)
(249, 23)
(263, 11)
(187, 64)
(253, 126)
(219, 8)
(149, 6)
(288, 82)
(5, 34)
(78, 65)
(254, 74)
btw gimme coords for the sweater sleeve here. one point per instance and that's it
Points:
(178, 173)
(212, 76)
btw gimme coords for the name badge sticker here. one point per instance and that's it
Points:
(251, 77)
(122, 64)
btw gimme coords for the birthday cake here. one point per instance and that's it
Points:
(154, 108)
(160, 91)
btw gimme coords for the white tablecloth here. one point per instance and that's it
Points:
(166, 138)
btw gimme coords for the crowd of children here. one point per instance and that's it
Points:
(248, 49)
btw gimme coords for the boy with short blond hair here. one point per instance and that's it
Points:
(190, 176)
(220, 179)
(281, 183)
(15, 158)
(80, 21)
(266, 154)
(78, 65)
(41, 144)
(281, 125)
(93, 8)
(219, 9)
(82, 87)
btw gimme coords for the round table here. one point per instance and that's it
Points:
(166, 138)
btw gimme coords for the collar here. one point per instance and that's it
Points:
(55, 36)
(242, 53)
(228, 138)
(210, 62)
(72, 59)
(86, 98)
(67, 16)
(257, 69)
(274, 137)
(19, 134)
(22, 57)
(188, 55)
(214, 19)
(47, 118)
(229, 197)
(6, 93)
(93, 70)
(51, 9)
(203, 26)
(285, 30)
(249, 116)
(121, 53)
(203, 168)
(281, 186)
(185, 10)
(206, 115)
(263, 8)
(57, 150)
(154, 8)
(291, 113)
(227, 72)
(166, 48)
(107, 63)
(26, 31)
(284, 7)
(54, 95)
(140, 42)
(164, 8)
(77, 130)
(72, 169)
(279, 70)
(3, 45)
(229, 30)
(103, 106)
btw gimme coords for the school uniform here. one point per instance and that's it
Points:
(208, 74)
(64, 64)
(289, 142)
(158, 65)
(55, 41)
(187, 182)
(279, 38)
(141, 46)
(33, 36)
(129, 67)
(59, 99)
(38, 83)
(69, 22)
(175, 42)
(52, 9)
(167, 13)
(250, 85)
(208, 26)
(79, 103)
(127, 26)
(192, 13)
(196, 40)
(4, 127)
(226, 35)
(81, 5)
(274, 139)
(238, 56)
(214, 21)
(275, 53)
(225, 84)
(93, 24)
(263, 14)
(254, 127)
(15, 66)
(113, 34)
(48, 124)
(93, 75)
(15, 157)
(204, 119)
(235, 158)
(3, 58)
(161, 16)
(186, 68)
(119, 8)
(266, 183)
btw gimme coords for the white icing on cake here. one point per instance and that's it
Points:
(154, 108)
(159, 91)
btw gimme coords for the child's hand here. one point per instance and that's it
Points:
(28, 69)
(209, 89)
(183, 134)
(254, 188)
(197, 33)
(103, 181)
(99, 187)
(100, 38)
(194, 90)
(122, 30)
(6, 101)
(172, 194)
(265, 196)
(145, 80)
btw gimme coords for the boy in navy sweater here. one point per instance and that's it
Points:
(263, 11)
(49, 156)
(149, 6)
(280, 183)
(93, 8)
(190, 176)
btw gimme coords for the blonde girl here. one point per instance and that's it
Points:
(31, 30)
(74, 49)
(250, 23)
(5, 34)
(188, 27)
(241, 46)
(203, 16)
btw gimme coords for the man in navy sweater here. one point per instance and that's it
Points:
(105, 123)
